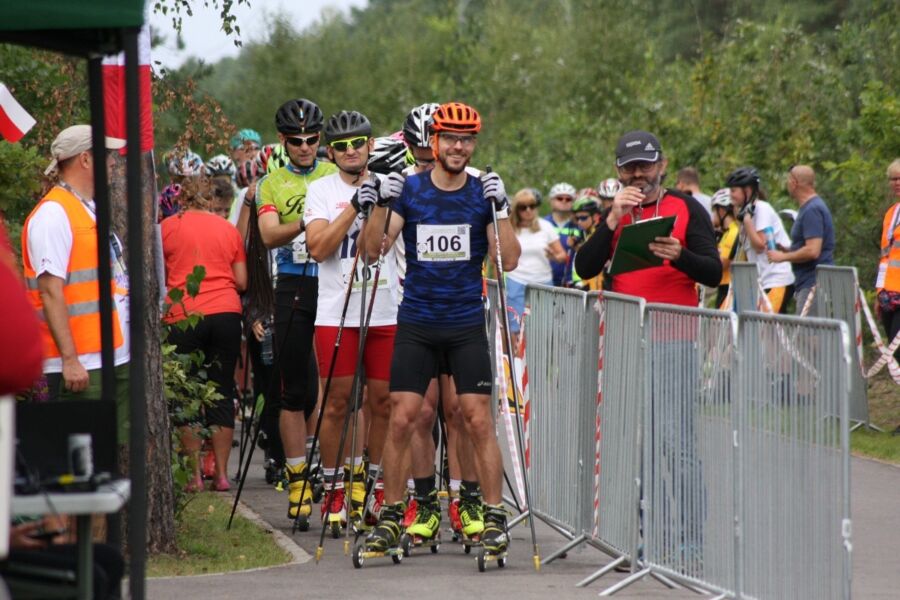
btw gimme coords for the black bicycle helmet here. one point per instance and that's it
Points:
(417, 127)
(298, 116)
(347, 124)
(388, 156)
(742, 177)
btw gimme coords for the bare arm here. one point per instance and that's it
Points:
(324, 238)
(50, 288)
(376, 222)
(509, 244)
(275, 234)
(810, 251)
(757, 239)
(240, 275)
(555, 252)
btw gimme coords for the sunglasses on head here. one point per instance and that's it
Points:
(356, 143)
(297, 142)
(526, 206)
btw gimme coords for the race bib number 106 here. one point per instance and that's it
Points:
(441, 243)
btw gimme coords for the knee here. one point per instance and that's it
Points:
(336, 408)
(425, 420)
(478, 424)
(380, 405)
(401, 423)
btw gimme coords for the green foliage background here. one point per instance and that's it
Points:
(723, 83)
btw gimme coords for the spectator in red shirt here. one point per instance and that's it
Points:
(198, 237)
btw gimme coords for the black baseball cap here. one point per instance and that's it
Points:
(637, 145)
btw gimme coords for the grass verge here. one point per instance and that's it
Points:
(206, 547)
(874, 444)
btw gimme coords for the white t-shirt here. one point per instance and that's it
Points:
(534, 266)
(770, 274)
(326, 199)
(705, 201)
(49, 249)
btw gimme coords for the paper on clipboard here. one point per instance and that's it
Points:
(632, 250)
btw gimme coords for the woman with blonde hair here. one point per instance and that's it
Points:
(197, 237)
(540, 244)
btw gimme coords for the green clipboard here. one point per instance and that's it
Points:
(633, 252)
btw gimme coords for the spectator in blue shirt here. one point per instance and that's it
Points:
(812, 236)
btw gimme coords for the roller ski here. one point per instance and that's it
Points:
(357, 498)
(384, 539)
(494, 538)
(471, 521)
(299, 495)
(425, 530)
(334, 511)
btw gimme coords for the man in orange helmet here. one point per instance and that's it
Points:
(445, 216)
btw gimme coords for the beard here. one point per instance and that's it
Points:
(452, 170)
(647, 185)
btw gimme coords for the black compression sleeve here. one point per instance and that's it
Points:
(699, 258)
(594, 252)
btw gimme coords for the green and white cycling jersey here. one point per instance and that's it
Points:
(283, 191)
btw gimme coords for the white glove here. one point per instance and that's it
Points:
(365, 197)
(495, 192)
(391, 186)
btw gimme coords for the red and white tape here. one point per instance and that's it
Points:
(886, 355)
(598, 431)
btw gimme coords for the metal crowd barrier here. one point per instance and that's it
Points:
(563, 388)
(687, 470)
(793, 458)
(744, 286)
(837, 297)
(715, 453)
(617, 431)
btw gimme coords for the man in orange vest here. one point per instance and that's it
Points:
(59, 252)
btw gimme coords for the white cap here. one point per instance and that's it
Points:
(74, 140)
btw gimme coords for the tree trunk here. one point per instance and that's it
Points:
(160, 487)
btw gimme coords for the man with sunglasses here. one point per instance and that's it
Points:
(281, 197)
(335, 231)
(562, 196)
(464, 509)
(689, 253)
(445, 216)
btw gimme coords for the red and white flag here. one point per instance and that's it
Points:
(114, 92)
(14, 120)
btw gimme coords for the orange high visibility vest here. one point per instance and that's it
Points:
(81, 289)
(889, 265)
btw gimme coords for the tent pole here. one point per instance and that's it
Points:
(137, 532)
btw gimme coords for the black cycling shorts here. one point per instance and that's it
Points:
(296, 297)
(417, 358)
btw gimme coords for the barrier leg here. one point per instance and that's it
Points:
(601, 572)
(575, 542)
(626, 582)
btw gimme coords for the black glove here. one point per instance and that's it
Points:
(747, 209)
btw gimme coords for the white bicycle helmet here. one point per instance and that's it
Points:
(220, 165)
(185, 164)
(562, 189)
(722, 198)
(416, 128)
(608, 188)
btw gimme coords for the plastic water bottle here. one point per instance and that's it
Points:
(267, 354)
(770, 238)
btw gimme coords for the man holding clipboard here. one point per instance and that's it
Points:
(666, 237)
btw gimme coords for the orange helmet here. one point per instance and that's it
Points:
(456, 117)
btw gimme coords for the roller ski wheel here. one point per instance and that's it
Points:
(335, 529)
(469, 542)
(303, 523)
(361, 554)
(409, 541)
(482, 557)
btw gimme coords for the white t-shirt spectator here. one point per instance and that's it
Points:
(49, 249)
(770, 275)
(534, 266)
(327, 198)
